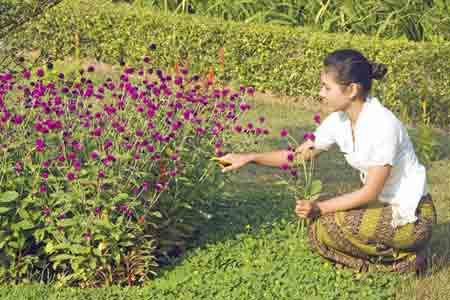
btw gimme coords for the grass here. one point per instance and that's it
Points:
(251, 248)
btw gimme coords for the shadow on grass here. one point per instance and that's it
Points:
(440, 247)
(252, 199)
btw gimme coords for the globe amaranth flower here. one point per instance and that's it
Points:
(290, 156)
(46, 211)
(77, 164)
(42, 188)
(285, 166)
(107, 144)
(309, 136)
(40, 72)
(97, 211)
(94, 154)
(26, 74)
(283, 133)
(101, 174)
(317, 118)
(71, 155)
(152, 47)
(17, 119)
(71, 176)
(87, 236)
(18, 167)
(44, 175)
(40, 145)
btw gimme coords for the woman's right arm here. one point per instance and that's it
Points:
(272, 159)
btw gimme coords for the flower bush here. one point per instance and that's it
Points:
(95, 176)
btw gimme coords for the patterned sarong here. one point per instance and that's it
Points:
(365, 240)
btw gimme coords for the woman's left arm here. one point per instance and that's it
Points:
(376, 178)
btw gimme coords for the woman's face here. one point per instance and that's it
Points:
(333, 94)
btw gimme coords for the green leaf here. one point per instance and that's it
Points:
(8, 196)
(4, 210)
(60, 257)
(316, 187)
(25, 225)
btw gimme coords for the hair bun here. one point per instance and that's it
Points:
(378, 71)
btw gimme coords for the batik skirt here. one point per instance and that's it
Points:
(365, 240)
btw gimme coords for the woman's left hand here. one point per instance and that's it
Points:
(307, 209)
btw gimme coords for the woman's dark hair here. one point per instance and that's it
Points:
(350, 66)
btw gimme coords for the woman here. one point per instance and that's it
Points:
(386, 224)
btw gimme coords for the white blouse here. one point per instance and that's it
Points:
(380, 139)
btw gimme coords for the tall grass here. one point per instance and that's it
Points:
(418, 20)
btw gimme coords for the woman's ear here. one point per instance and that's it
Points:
(353, 90)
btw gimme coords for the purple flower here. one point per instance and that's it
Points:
(77, 164)
(44, 175)
(139, 132)
(251, 91)
(285, 166)
(71, 155)
(26, 74)
(45, 164)
(18, 167)
(42, 188)
(238, 128)
(309, 136)
(71, 176)
(40, 145)
(317, 118)
(94, 154)
(17, 119)
(91, 69)
(46, 212)
(261, 120)
(40, 72)
(61, 158)
(98, 211)
(87, 236)
(101, 174)
(290, 156)
(97, 132)
(107, 144)
(283, 132)
(159, 187)
(146, 59)
(178, 80)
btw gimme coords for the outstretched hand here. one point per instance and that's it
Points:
(232, 161)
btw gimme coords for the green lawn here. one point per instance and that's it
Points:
(251, 247)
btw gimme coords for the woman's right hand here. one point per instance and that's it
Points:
(233, 161)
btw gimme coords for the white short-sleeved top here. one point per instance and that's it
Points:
(380, 139)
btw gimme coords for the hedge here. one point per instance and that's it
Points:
(280, 59)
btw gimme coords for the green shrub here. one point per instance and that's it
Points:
(283, 60)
